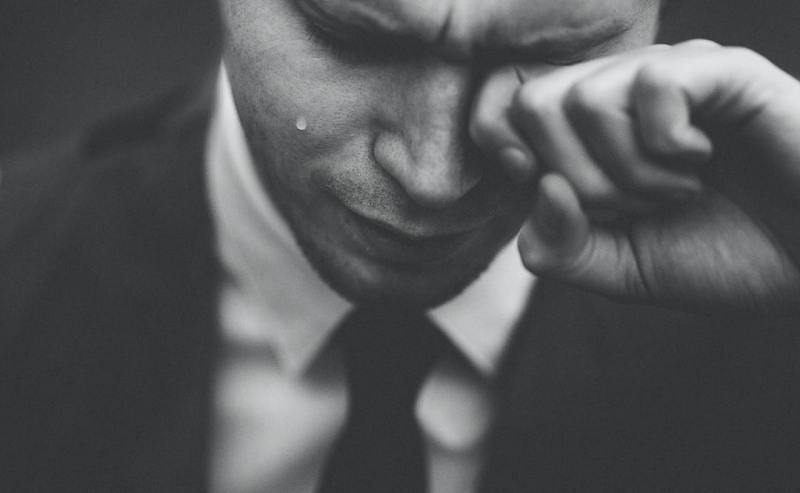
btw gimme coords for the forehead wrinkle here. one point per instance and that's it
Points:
(462, 28)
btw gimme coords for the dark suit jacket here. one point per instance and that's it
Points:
(108, 336)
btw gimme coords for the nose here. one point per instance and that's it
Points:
(423, 147)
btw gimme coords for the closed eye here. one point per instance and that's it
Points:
(354, 45)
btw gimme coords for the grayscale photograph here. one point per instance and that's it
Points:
(400, 246)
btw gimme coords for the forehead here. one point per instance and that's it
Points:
(464, 24)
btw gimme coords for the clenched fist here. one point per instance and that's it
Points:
(666, 175)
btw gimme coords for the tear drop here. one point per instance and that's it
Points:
(301, 123)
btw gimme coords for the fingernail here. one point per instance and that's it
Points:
(698, 147)
(517, 164)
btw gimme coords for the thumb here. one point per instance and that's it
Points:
(559, 241)
(555, 237)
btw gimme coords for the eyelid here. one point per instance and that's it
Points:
(519, 57)
(318, 28)
(354, 43)
(326, 40)
(566, 50)
(548, 54)
(360, 45)
(566, 59)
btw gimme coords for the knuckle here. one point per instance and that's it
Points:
(747, 56)
(585, 102)
(535, 100)
(658, 47)
(490, 134)
(655, 76)
(700, 43)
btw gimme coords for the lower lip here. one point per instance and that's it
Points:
(404, 251)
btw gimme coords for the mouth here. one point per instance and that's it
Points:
(404, 248)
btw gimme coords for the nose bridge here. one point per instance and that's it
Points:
(436, 108)
(431, 165)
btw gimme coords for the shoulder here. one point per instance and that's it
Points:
(32, 178)
(133, 178)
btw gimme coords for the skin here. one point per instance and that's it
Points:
(393, 191)
(434, 130)
(713, 128)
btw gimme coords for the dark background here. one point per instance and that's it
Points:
(66, 63)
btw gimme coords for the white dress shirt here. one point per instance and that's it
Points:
(280, 390)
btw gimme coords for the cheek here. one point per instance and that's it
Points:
(303, 127)
(289, 93)
(298, 104)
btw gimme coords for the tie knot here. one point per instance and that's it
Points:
(389, 350)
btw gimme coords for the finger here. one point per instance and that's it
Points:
(560, 242)
(538, 111)
(489, 124)
(539, 114)
(491, 129)
(599, 106)
(609, 133)
(724, 88)
(665, 122)
(742, 95)
(557, 232)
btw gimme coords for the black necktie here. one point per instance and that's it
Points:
(387, 355)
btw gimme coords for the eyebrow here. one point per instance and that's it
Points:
(567, 43)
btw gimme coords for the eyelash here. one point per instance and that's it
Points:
(331, 44)
(350, 51)
(365, 49)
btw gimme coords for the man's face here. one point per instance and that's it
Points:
(357, 113)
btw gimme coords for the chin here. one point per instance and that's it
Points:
(362, 282)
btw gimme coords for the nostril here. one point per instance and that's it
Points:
(439, 190)
(434, 199)
(435, 177)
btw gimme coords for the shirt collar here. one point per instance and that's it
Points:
(299, 310)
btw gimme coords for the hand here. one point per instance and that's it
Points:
(695, 151)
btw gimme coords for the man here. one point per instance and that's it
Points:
(404, 143)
